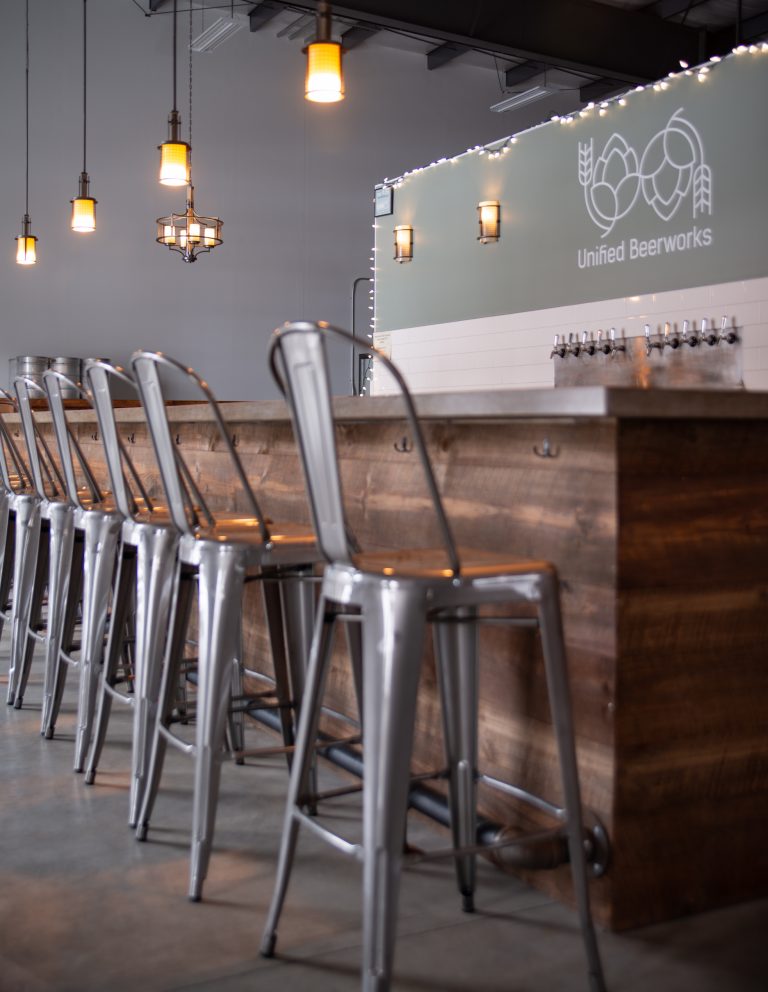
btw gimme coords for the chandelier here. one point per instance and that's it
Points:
(190, 233)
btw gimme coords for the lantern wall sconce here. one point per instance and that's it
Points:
(403, 243)
(489, 218)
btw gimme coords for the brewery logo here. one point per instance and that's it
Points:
(670, 171)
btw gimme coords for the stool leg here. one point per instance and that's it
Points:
(353, 630)
(25, 575)
(560, 703)
(298, 599)
(61, 540)
(125, 586)
(456, 657)
(270, 590)
(302, 768)
(102, 533)
(156, 574)
(220, 592)
(74, 597)
(7, 542)
(180, 613)
(393, 636)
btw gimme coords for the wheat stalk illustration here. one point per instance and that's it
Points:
(585, 163)
(702, 190)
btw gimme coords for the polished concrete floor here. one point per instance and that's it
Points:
(85, 908)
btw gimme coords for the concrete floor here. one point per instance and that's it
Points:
(85, 908)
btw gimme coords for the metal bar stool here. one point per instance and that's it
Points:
(98, 520)
(224, 550)
(48, 555)
(15, 488)
(144, 587)
(396, 594)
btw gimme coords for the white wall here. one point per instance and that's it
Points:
(512, 351)
(292, 182)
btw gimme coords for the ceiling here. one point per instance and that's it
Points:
(594, 46)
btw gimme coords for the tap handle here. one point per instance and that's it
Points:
(647, 330)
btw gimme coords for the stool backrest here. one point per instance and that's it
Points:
(99, 376)
(47, 479)
(73, 461)
(14, 472)
(300, 367)
(185, 501)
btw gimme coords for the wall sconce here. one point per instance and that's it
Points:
(489, 218)
(403, 243)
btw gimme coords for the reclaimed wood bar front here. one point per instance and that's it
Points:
(654, 507)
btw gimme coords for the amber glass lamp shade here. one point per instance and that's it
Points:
(174, 163)
(324, 81)
(26, 249)
(83, 214)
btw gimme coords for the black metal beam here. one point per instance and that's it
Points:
(263, 13)
(594, 38)
(671, 8)
(521, 73)
(600, 88)
(752, 29)
(356, 35)
(444, 54)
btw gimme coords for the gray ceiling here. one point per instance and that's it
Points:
(602, 45)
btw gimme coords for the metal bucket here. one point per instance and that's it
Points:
(71, 368)
(31, 366)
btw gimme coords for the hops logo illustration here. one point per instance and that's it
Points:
(670, 171)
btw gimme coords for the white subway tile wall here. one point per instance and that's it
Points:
(512, 351)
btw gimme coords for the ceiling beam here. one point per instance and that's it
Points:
(598, 89)
(521, 73)
(594, 38)
(263, 13)
(356, 35)
(444, 54)
(671, 8)
(752, 29)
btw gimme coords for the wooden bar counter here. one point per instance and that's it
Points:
(654, 507)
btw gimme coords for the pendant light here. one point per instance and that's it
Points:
(26, 243)
(174, 153)
(324, 80)
(189, 233)
(84, 205)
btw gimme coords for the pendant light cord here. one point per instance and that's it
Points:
(26, 199)
(175, 109)
(190, 82)
(85, 65)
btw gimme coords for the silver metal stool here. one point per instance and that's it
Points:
(224, 550)
(394, 595)
(48, 554)
(98, 520)
(15, 488)
(144, 586)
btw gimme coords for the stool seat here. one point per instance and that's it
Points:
(433, 564)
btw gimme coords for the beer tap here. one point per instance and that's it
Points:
(621, 346)
(588, 343)
(727, 334)
(652, 342)
(603, 345)
(670, 340)
(709, 335)
(559, 347)
(574, 347)
(693, 340)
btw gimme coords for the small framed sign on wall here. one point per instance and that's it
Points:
(384, 201)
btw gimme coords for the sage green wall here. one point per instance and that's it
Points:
(683, 167)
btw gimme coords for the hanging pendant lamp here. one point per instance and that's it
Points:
(324, 82)
(189, 233)
(84, 205)
(26, 243)
(174, 153)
